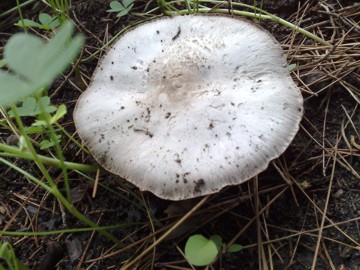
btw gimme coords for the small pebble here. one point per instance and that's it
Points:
(338, 193)
(12, 140)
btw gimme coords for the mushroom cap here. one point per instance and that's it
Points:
(183, 106)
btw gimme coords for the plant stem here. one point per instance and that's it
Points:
(26, 174)
(11, 151)
(70, 207)
(70, 230)
(52, 135)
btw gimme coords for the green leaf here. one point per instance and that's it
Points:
(2, 63)
(200, 251)
(48, 21)
(123, 13)
(8, 259)
(122, 9)
(56, 55)
(11, 88)
(128, 3)
(39, 123)
(22, 144)
(292, 67)
(45, 104)
(45, 19)
(36, 63)
(27, 23)
(34, 130)
(30, 107)
(235, 248)
(61, 111)
(23, 54)
(45, 144)
(116, 6)
(27, 108)
(217, 241)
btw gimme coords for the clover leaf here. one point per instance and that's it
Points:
(31, 107)
(121, 8)
(201, 251)
(47, 22)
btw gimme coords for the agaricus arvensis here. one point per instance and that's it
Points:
(183, 106)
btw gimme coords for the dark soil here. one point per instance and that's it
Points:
(282, 233)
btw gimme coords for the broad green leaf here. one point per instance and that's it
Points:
(27, 108)
(27, 23)
(45, 105)
(58, 53)
(116, 6)
(55, 23)
(45, 19)
(200, 251)
(37, 63)
(2, 63)
(23, 55)
(235, 248)
(29, 103)
(11, 88)
(48, 22)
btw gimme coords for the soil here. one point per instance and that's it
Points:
(278, 217)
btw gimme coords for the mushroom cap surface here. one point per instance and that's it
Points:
(184, 106)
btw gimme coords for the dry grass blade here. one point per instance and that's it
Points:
(325, 209)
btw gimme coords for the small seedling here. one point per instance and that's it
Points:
(60, 112)
(121, 8)
(47, 22)
(31, 107)
(201, 251)
(38, 127)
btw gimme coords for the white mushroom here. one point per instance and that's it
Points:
(184, 106)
